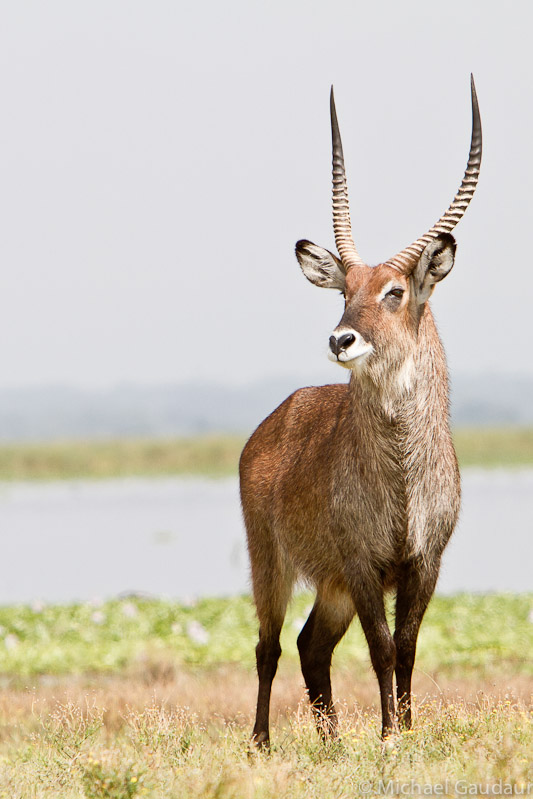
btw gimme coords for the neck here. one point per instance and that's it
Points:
(412, 395)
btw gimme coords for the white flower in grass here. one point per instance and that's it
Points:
(11, 641)
(177, 628)
(298, 623)
(37, 606)
(197, 633)
(129, 610)
(98, 617)
(530, 617)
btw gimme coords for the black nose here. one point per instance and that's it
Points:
(336, 345)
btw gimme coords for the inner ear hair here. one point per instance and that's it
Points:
(436, 260)
(320, 266)
(433, 265)
(438, 256)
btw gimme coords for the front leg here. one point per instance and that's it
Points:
(368, 599)
(416, 583)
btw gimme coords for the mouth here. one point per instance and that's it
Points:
(350, 359)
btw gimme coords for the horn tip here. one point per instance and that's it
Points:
(332, 109)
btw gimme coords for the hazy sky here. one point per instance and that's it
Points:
(158, 161)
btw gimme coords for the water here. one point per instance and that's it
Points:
(184, 538)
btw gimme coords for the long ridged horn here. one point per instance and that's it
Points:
(341, 208)
(407, 259)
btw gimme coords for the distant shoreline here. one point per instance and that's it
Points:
(213, 455)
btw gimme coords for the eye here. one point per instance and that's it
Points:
(397, 292)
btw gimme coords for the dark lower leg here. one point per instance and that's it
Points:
(383, 660)
(415, 588)
(316, 664)
(272, 582)
(268, 651)
(322, 631)
(403, 691)
(371, 610)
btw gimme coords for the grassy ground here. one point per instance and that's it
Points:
(150, 698)
(72, 750)
(213, 455)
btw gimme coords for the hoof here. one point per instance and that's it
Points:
(260, 742)
(389, 739)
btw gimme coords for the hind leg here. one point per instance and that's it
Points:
(327, 623)
(272, 585)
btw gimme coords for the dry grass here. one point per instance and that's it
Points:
(169, 732)
(228, 693)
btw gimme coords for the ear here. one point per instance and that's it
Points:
(435, 263)
(320, 266)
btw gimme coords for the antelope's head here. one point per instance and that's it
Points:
(384, 304)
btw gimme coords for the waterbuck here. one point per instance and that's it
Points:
(355, 488)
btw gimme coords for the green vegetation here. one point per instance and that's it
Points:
(489, 634)
(494, 446)
(139, 697)
(213, 455)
